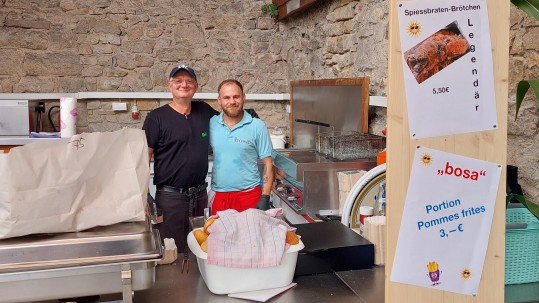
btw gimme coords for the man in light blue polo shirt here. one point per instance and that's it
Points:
(238, 140)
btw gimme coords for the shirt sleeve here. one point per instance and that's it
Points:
(151, 128)
(263, 146)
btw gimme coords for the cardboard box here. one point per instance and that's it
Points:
(342, 198)
(347, 179)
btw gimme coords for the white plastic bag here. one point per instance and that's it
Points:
(72, 184)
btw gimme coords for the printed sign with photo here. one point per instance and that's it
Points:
(447, 66)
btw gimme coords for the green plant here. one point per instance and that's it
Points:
(531, 7)
(271, 9)
(522, 89)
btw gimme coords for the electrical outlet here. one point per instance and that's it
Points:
(119, 106)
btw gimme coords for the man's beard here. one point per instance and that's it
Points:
(233, 111)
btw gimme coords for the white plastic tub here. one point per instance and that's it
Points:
(226, 280)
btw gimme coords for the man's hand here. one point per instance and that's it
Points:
(263, 203)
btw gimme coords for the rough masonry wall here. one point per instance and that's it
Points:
(523, 133)
(131, 45)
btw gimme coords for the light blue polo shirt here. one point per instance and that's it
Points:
(236, 152)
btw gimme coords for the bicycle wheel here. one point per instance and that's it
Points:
(362, 194)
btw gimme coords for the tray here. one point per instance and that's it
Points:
(101, 260)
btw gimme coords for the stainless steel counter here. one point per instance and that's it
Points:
(359, 286)
(20, 140)
(107, 259)
(295, 162)
(307, 182)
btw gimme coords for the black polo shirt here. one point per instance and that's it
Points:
(180, 144)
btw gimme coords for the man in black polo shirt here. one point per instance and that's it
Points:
(178, 139)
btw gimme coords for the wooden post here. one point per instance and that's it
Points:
(487, 145)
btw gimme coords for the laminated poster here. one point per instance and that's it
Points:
(446, 222)
(447, 63)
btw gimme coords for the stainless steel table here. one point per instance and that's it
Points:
(357, 286)
(172, 286)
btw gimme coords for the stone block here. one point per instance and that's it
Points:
(531, 39)
(70, 84)
(342, 13)
(23, 38)
(84, 49)
(189, 34)
(108, 27)
(265, 23)
(36, 84)
(24, 23)
(135, 32)
(153, 30)
(144, 60)
(109, 83)
(110, 39)
(57, 64)
(114, 72)
(92, 71)
(102, 49)
(140, 46)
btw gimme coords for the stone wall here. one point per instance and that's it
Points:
(126, 45)
(339, 39)
(105, 45)
(523, 133)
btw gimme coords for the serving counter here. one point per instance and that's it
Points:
(173, 286)
(354, 286)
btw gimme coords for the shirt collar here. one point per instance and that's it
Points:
(247, 118)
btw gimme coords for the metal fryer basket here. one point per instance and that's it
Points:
(346, 145)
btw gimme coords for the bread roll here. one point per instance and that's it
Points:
(200, 235)
(209, 222)
(292, 238)
(204, 246)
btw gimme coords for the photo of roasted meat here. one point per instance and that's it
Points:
(436, 52)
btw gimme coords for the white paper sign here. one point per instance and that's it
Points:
(447, 64)
(446, 222)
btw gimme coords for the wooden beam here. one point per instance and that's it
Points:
(289, 8)
(487, 145)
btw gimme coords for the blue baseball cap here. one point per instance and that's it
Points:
(185, 68)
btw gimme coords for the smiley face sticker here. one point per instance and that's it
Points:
(414, 28)
(426, 159)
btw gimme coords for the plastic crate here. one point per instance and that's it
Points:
(521, 248)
